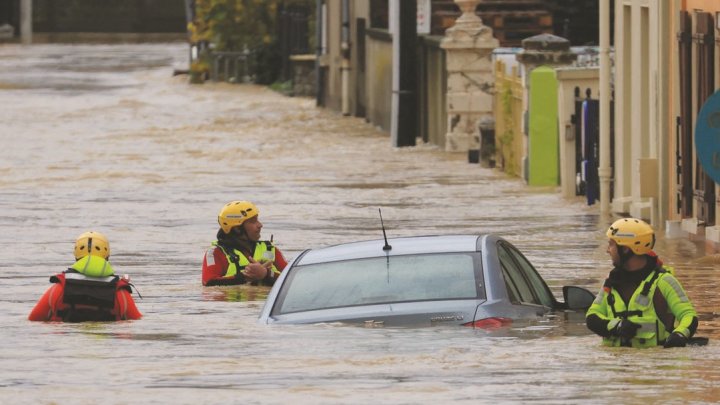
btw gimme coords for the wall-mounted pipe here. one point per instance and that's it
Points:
(319, 51)
(345, 52)
(403, 17)
(605, 171)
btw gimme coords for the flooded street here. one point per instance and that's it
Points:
(103, 137)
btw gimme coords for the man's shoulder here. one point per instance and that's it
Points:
(214, 254)
(668, 283)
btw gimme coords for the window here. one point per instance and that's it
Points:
(512, 290)
(382, 280)
(517, 286)
(537, 284)
(379, 14)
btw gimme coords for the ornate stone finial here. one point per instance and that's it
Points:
(468, 13)
(468, 29)
(546, 49)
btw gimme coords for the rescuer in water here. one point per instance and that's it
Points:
(89, 290)
(239, 256)
(641, 303)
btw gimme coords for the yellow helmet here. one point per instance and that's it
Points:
(633, 233)
(235, 213)
(92, 243)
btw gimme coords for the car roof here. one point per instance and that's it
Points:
(400, 246)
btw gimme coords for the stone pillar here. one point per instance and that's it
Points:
(468, 47)
(541, 50)
(26, 23)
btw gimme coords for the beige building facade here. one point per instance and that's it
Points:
(666, 66)
(695, 74)
(641, 107)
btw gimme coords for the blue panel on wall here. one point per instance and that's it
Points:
(707, 136)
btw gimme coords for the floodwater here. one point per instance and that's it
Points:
(103, 137)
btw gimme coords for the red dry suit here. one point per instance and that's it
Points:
(75, 297)
(223, 265)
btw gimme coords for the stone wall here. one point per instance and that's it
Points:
(303, 75)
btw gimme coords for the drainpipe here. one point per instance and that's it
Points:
(393, 23)
(605, 171)
(319, 28)
(26, 26)
(345, 51)
(404, 79)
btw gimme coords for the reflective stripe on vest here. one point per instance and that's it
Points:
(640, 311)
(672, 281)
(260, 249)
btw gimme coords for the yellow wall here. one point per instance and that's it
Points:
(705, 5)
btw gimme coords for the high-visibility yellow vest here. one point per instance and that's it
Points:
(641, 310)
(264, 251)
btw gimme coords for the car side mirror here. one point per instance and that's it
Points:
(577, 297)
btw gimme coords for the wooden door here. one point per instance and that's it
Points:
(684, 150)
(705, 41)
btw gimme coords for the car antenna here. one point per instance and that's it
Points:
(387, 246)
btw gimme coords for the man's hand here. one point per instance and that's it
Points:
(676, 339)
(626, 329)
(257, 271)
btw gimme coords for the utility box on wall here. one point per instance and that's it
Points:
(648, 172)
(543, 144)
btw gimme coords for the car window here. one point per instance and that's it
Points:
(540, 289)
(514, 279)
(512, 290)
(381, 280)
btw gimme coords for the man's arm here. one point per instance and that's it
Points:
(214, 268)
(596, 318)
(43, 310)
(680, 305)
(280, 261)
(125, 307)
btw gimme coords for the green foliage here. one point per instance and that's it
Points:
(199, 70)
(508, 135)
(239, 25)
(283, 87)
(230, 25)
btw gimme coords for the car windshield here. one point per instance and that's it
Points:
(381, 280)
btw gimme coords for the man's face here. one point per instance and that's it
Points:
(613, 251)
(252, 227)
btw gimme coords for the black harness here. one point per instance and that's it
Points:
(235, 259)
(645, 292)
(88, 299)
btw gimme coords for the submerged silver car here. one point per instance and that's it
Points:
(472, 280)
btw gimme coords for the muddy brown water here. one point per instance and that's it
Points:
(103, 137)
